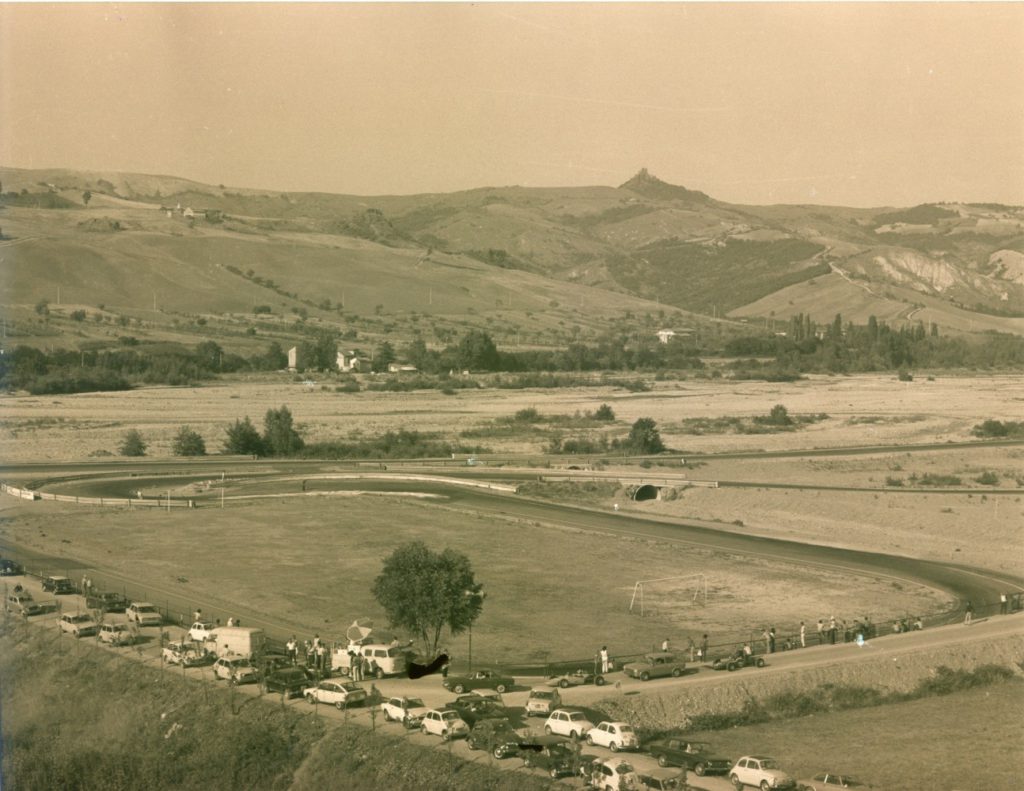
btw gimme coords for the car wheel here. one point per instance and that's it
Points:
(446, 735)
(730, 667)
(736, 783)
(387, 717)
(700, 769)
(554, 773)
(547, 729)
(233, 681)
(662, 761)
(645, 676)
(575, 735)
(459, 689)
(765, 785)
(501, 688)
(590, 740)
(613, 747)
(760, 662)
(599, 681)
(526, 761)
(564, 683)
(423, 729)
(676, 672)
(496, 752)
(310, 699)
(379, 674)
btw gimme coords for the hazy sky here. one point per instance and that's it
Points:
(859, 104)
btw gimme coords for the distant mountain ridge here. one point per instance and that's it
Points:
(646, 238)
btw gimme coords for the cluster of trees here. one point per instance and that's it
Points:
(644, 439)
(279, 438)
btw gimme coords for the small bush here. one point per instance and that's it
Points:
(905, 376)
(889, 481)
(132, 444)
(605, 413)
(988, 478)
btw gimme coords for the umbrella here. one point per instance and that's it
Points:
(359, 630)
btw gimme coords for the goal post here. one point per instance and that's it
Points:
(698, 583)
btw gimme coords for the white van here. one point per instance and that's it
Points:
(388, 659)
(238, 641)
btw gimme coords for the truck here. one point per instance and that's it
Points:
(238, 641)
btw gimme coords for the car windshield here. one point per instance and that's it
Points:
(350, 687)
(449, 715)
(769, 763)
(575, 715)
(414, 703)
(146, 608)
(543, 695)
(624, 768)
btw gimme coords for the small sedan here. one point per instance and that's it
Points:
(236, 671)
(576, 679)
(340, 694)
(479, 679)
(408, 711)
(115, 634)
(614, 735)
(201, 631)
(826, 781)
(60, 586)
(564, 722)
(760, 771)
(444, 723)
(79, 625)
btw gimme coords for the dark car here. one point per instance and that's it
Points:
(692, 755)
(479, 679)
(736, 661)
(656, 665)
(8, 568)
(289, 680)
(497, 737)
(473, 708)
(107, 602)
(58, 585)
(575, 679)
(551, 754)
(664, 780)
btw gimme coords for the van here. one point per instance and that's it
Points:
(389, 659)
(238, 641)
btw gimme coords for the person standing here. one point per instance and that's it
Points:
(821, 632)
(803, 635)
(832, 629)
(968, 613)
(771, 640)
(604, 659)
(293, 650)
(1003, 604)
(197, 616)
(704, 648)
(664, 645)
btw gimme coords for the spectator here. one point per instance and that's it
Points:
(372, 669)
(364, 668)
(694, 650)
(292, 647)
(1004, 604)
(803, 635)
(604, 659)
(664, 644)
(832, 629)
(821, 632)
(968, 613)
(447, 664)
(896, 627)
(747, 650)
(321, 656)
(197, 616)
(771, 640)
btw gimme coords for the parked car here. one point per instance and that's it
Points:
(541, 702)
(473, 708)
(78, 625)
(408, 711)
(497, 737)
(9, 568)
(826, 781)
(143, 613)
(106, 602)
(115, 634)
(696, 756)
(656, 665)
(761, 772)
(550, 754)
(59, 586)
(575, 679)
(614, 735)
(292, 681)
(445, 723)
(337, 693)
(566, 722)
(664, 780)
(479, 679)
(201, 631)
(737, 660)
(187, 654)
(611, 775)
(22, 603)
(237, 670)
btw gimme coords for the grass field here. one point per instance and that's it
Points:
(967, 740)
(551, 593)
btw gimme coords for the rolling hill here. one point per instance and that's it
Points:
(516, 260)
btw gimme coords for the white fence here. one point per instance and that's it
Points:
(122, 502)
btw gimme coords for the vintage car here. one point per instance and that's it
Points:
(567, 722)
(656, 665)
(737, 660)
(826, 781)
(22, 603)
(201, 631)
(115, 634)
(550, 754)
(60, 586)
(445, 723)
(340, 694)
(186, 654)
(408, 711)
(78, 625)
(575, 679)
(143, 613)
(497, 737)
(541, 702)
(106, 602)
(664, 780)
(474, 707)
(614, 735)
(289, 680)
(479, 679)
(696, 756)
(761, 772)
(611, 775)
(10, 568)
(237, 670)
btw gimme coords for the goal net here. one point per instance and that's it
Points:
(668, 593)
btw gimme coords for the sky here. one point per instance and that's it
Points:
(861, 104)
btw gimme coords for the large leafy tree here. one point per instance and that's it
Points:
(279, 435)
(383, 357)
(132, 444)
(477, 352)
(243, 439)
(188, 442)
(424, 591)
(644, 437)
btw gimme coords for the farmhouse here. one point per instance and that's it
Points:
(348, 361)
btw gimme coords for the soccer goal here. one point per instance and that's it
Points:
(648, 593)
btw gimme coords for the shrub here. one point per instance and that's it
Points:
(605, 413)
(132, 444)
(995, 429)
(188, 443)
(528, 415)
(905, 376)
(988, 478)
(890, 481)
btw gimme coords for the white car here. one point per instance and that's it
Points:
(614, 735)
(564, 722)
(408, 711)
(340, 694)
(143, 613)
(78, 625)
(115, 634)
(761, 772)
(612, 775)
(183, 653)
(445, 723)
(236, 671)
(201, 631)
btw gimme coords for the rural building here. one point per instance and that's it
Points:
(348, 361)
(293, 358)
